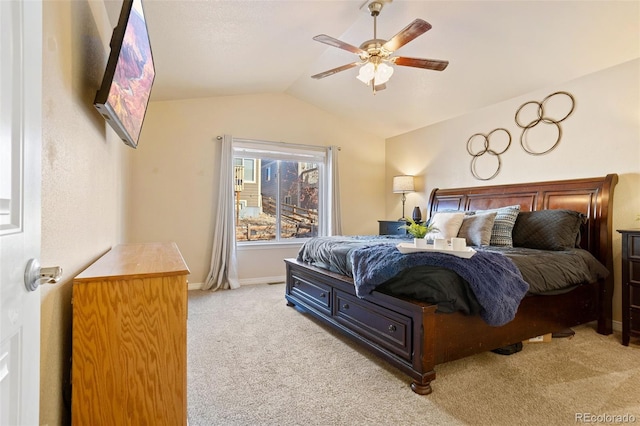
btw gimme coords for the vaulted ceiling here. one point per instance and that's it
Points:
(497, 50)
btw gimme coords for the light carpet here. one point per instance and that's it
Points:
(252, 360)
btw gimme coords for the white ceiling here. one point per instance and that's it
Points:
(497, 50)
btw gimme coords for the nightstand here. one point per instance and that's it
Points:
(391, 227)
(630, 284)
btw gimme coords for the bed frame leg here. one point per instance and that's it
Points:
(605, 326)
(421, 388)
(605, 306)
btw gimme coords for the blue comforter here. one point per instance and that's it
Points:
(498, 276)
(493, 277)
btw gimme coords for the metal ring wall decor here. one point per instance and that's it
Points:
(486, 150)
(541, 118)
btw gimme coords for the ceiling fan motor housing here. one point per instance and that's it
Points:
(374, 48)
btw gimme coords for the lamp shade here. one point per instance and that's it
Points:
(403, 184)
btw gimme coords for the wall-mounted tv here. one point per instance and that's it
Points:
(126, 86)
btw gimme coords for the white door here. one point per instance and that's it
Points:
(20, 146)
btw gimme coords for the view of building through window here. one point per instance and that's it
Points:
(276, 199)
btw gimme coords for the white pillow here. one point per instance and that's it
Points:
(447, 223)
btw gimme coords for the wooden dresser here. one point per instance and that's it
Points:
(129, 344)
(630, 284)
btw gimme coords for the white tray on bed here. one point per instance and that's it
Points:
(406, 248)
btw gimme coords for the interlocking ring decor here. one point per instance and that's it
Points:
(486, 150)
(542, 118)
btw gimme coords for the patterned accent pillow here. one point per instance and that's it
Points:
(503, 225)
(476, 228)
(548, 229)
(447, 224)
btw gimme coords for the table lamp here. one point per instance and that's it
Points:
(401, 185)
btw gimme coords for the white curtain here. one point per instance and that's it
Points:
(335, 221)
(224, 270)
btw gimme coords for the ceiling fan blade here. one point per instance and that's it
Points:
(335, 70)
(323, 38)
(380, 87)
(411, 31)
(430, 64)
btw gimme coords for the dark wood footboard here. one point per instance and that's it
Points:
(411, 336)
(399, 331)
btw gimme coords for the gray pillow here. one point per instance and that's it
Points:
(547, 229)
(476, 228)
(503, 225)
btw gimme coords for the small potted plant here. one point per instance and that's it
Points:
(418, 231)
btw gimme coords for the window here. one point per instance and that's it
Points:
(286, 199)
(248, 166)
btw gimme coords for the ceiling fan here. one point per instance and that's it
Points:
(376, 55)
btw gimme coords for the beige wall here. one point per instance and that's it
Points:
(174, 181)
(82, 180)
(96, 192)
(89, 176)
(601, 136)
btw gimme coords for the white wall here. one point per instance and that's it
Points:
(601, 136)
(174, 180)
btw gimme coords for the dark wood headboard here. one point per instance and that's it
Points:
(592, 196)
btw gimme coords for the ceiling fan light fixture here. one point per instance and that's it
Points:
(367, 73)
(383, 73)
(376, 55)
(380, 73)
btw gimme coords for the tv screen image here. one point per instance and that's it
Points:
(126, 87)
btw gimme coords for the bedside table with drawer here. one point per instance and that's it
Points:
(391, 227)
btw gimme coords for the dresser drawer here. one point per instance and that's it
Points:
(389, 330)
(316, 294)
(634, 246)
(634, 271)
(633, 289)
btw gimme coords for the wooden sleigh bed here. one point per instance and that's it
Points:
(411, 336)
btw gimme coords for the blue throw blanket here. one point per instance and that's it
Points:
(494, 278)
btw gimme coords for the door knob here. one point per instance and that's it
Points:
(34, 275)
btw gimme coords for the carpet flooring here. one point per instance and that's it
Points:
(252, 360)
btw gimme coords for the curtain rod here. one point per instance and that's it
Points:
(283, 143)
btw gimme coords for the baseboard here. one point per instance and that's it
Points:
(246, 281)
(194, 286)
(263, 280)
(616, 325)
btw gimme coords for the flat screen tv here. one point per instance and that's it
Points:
(126, 86)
